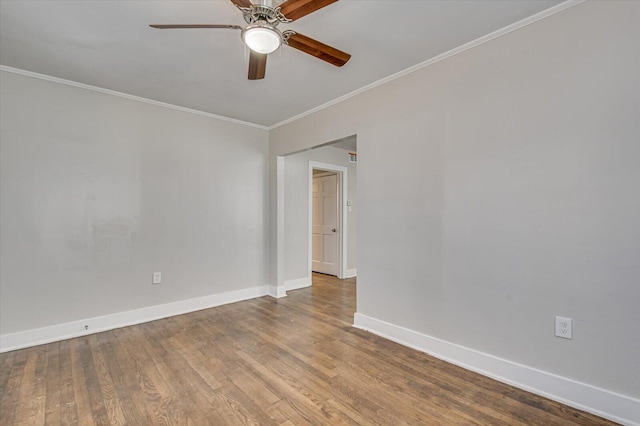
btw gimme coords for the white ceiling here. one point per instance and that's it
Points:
(108, 44)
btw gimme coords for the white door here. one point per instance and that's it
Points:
(324, 225)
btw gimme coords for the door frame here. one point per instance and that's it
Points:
(342, 216)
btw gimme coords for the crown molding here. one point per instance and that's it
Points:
(126, 96)
(485, 38)
(498, 33)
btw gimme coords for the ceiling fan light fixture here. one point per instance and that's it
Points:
(262, 37)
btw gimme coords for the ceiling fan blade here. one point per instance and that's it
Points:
(257, 65)
(242, 3)
(319, 50)
(296, 9)
(173, 26)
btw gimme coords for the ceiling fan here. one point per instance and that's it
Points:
(262, 36)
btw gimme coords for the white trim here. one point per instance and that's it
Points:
(485, 38)
(619, 408)
(297, 283)
(351, 273)
(279, 275)
(277, 292)
(500, 32)
(342, 176)
(126, 96)
(54, 333)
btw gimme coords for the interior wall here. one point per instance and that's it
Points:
(296, 207)
(499, 188)
(98, 192)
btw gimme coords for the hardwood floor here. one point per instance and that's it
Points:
(291, 361)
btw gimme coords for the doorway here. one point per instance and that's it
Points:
(327, 227)
(325, 245)
(292, 242)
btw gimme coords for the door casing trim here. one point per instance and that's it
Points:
(342, 215)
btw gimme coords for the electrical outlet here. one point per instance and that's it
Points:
(157, 278)
(563, 327)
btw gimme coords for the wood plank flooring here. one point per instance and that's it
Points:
(291, 361)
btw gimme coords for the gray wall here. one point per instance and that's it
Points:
(499, 188)
(296, 200)
(98, 191)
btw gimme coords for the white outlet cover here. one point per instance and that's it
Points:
(157, 278)
(563, 327)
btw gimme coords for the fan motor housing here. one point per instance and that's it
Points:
(263, 13)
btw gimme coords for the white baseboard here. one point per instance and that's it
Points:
(54, 333)
(619, 408)
(350, 273)
(277, 292)
(297, 283)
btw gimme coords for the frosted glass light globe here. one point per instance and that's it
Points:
(262, 39)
